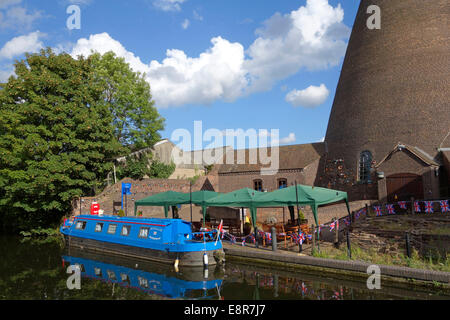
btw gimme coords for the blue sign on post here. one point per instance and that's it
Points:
(126, 187)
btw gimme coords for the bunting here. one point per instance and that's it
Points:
(377, 210)
(429, 206)
(444, 206)
(402, 204)
(417, 206)
(390, 208)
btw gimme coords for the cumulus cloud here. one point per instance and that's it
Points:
(274, 138)
(168, 5)
(17, 17)
(6, 3)
(22, 44)
(197, 16)
(310, 97)
(215, 74)
(185, 24)
(312, 37)
(289, 139)
(103, 43)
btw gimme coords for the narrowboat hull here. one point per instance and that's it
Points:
(168, 241)
(191, 259)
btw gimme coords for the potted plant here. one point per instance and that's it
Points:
(302, 217)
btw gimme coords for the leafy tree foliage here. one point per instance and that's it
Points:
(140, 166)
(56, 138)
(127, 95)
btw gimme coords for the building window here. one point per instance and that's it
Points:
(81, 225)
(143, 233)
(112, 228)
(365, 163)
(282, 183)
(258, 186)
(126, 230)
(99, 227)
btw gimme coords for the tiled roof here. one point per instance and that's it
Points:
(290, 157)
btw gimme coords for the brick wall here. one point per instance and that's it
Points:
(139, 189)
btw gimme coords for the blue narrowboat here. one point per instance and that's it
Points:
(146, 279)
(168, 241)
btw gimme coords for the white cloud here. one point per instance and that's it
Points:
(310, 97)
(216, 74)
(84, 2)
(6, 3)
(22, 44)
(185, 24)
(197, 16)
(289, 139)
(18, 18)
(311, 37)
(103, 43)
(168, 5)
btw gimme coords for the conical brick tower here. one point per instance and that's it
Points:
(393, 94)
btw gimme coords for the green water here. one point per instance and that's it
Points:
(38, 271)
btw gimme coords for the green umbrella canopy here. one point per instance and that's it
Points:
(239, 198)
(306, 195)
(168, 198)
(201, 197)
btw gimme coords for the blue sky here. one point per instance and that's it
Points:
(248, 64)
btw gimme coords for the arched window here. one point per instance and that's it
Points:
(365, 163)
(282, 183)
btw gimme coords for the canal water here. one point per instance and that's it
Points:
(33, 270)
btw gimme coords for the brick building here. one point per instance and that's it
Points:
(388, 135)
(389, 125)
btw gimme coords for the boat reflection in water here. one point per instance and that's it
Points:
(148, 277)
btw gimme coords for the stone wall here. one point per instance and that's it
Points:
(110, 199)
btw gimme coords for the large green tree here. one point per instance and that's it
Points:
(127, 94)
(56, 138)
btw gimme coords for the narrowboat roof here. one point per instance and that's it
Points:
(133, 220)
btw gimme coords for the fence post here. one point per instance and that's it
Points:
(408, 245)
(336, 233)
(313, 239)
(274, 239)
(300, 245)
(349, 248)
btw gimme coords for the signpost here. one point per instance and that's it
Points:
(126, 187)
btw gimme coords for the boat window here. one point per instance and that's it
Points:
(126, 230)
(81, 266)
(111, 275)
(81, 225)
(112, 228)
(143, 232)
(99, 227)
(143, 282)
(98, 272)
(124, 277)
